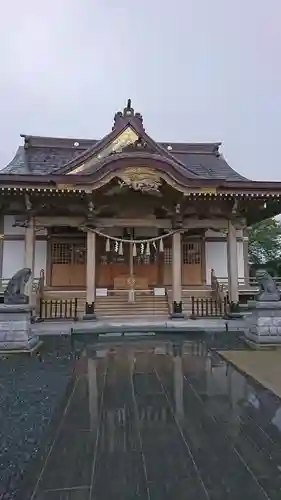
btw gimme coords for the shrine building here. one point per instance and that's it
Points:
(125, 216)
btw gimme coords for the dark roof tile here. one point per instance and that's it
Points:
(18, 164)
(48, 155)
(209, 166)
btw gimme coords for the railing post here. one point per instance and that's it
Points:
(225, 304)
(75, 308)
(192, 307)
(40, 308)
(65, 308)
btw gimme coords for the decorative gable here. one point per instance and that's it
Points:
(127, 136)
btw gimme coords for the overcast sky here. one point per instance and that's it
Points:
(198, 70)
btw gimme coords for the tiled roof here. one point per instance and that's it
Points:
(209, 166)
(202, 159)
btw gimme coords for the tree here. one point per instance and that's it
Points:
(265, 241)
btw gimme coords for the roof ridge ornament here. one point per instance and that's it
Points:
(128, 115)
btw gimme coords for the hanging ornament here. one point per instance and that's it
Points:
(142, 248)
(161, 246)
(107, 245)
(121, 248)
(116, 246)
(134, 250)
(147, 251)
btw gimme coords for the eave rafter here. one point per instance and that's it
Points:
(209, 193)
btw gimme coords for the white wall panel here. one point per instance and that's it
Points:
(240, 258)
(216, 258)
(40, 257)
(9, 220)
(13, 258)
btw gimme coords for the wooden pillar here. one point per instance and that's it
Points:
(203, 261)
(160, 263)
(2, 246)
(90, 276)
(29, 253)
(232, 263)
(176, 270)
(246, 256)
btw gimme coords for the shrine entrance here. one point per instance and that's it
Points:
(112, 268)
(68, 263)
(123, 265)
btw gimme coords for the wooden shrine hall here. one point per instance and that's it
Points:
(126, 216)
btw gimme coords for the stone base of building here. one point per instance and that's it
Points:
(177, 312)
(89, 312)
(264, 324)
(15, 328)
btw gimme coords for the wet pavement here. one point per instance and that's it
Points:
(159, 419)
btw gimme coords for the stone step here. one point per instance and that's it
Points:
(131, 306)
(125, 304)
(124, 312)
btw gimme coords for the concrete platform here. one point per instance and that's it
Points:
(263, 366)
(140, 325)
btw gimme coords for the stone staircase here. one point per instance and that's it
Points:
(116, 304)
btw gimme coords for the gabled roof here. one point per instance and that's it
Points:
(47, 155)
(128, 132)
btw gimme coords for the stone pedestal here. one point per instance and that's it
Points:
(15, 328)
(177, 312)
(264, 324)
(90, 312)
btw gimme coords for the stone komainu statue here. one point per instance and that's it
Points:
(15, 291)
(268, 290)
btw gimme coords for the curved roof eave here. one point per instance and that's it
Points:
(124, 160)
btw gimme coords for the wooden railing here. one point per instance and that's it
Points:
(207, 307)
(58, 309)
(247, 283)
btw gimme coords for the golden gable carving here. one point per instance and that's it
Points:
(140, 179)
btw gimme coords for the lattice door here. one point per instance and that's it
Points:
(191, 262)
(61, 253)
(68, 264)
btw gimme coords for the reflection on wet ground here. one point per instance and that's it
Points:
(154, 419)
